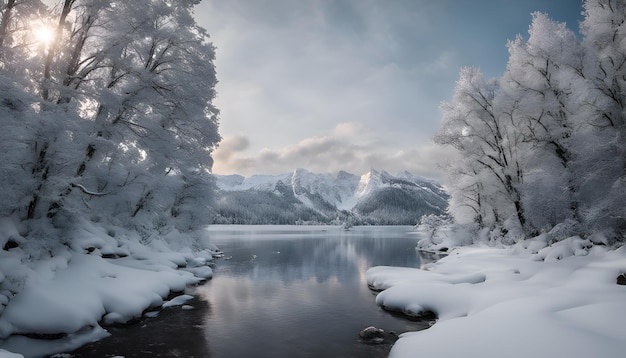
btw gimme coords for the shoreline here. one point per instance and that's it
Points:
(176, 331)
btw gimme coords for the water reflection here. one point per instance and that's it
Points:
(286, 293)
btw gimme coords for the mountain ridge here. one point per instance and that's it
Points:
(375, 197)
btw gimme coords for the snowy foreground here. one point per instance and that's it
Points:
(522, 301)
(98, 280)
(526, 300)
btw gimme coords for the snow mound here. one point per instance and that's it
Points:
(7, 354)
(555, 301)
(177, 301)
(95, 279)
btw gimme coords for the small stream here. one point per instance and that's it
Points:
(280, 291)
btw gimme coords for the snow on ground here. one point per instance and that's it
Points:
(70, 292)
(522, 301)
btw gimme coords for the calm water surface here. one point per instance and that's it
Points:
(301, 291)
(278, 292)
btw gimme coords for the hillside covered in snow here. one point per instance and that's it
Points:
(375, 197)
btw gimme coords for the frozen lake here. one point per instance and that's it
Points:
(296, 291)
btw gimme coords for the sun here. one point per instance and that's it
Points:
(43, 33)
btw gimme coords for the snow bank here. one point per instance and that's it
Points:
(96, 278)
(522, 301)
(7, 354)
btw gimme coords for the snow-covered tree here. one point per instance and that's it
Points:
(545, 143)
(488, 177)
(114, 120)
(158, 87)
(22, 31)
(541, 75)
(604, 43)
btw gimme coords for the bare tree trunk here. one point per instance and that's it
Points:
(52, 50)
(4, 22)
(40, 170)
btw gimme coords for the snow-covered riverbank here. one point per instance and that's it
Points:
(529, 299)
(521, 301)
(68, 293)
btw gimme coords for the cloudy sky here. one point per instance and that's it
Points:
(331, 85)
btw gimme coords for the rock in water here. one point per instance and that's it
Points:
(621, 279)
(373, 335)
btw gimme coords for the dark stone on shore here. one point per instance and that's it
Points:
(425, 315)
(374, 288)
(621, 279)
(10, 244)
(44, 336)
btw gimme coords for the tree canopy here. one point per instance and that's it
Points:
(106, 113)
(545, 143)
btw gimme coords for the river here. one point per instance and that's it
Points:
(279, 291)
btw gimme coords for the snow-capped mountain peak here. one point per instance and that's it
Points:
(368, 183)
(373, 194)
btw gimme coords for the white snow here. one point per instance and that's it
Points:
(562, 301)
(7, 354)
(29, 347)
(177, 301)
(72, 290)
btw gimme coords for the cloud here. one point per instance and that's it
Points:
(230, 146)
(347, 129)
(229, 155)
(289, 70)
(330, 85)
(350, 146)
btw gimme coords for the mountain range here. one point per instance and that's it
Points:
(302, 197)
